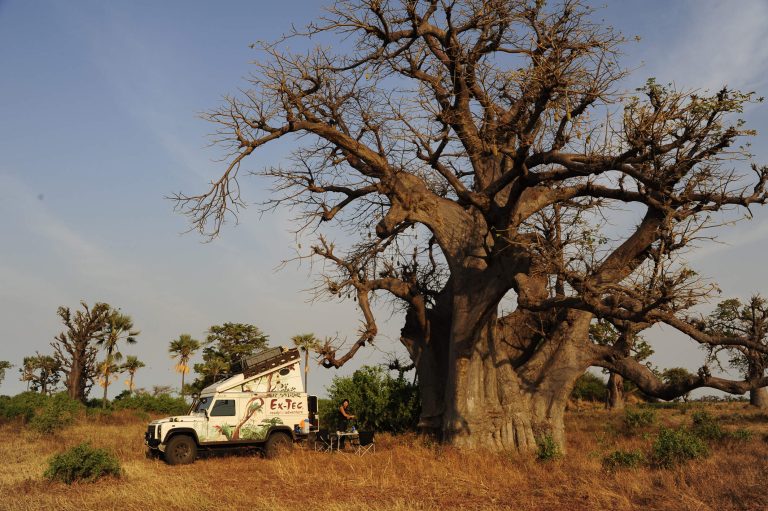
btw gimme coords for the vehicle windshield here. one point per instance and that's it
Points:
(202, 404)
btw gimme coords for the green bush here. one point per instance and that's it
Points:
(59, 412)
(548, 449)
(623, 459)
(97, 403)
(639, 418)
(162, 403)
(590, 387)
(705, 426)
(740, 435)
(676, 446)
(22, 405)
(98, 413)
(82, 463)
(379, 401)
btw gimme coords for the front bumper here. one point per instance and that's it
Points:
(149, 436)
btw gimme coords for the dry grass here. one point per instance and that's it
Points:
(404, 473)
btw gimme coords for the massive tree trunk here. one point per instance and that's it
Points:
(486, 407)
(759, 398)
(76, 378)
(509, 382)
(615, 398)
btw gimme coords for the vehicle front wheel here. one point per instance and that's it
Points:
(277, 444)
(181, 450)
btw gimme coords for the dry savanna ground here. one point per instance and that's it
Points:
(404, 473)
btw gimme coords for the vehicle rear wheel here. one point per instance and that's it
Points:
(277, 444)
(181, 450)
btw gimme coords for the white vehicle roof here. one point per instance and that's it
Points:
(259, 366)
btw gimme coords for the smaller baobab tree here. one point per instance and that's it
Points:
(182, 349)
(749, 320)
(306, 343)
(75, 348)
(4, 364)
(40, 372)
(130, 366)
(119, 328)
(605, 333)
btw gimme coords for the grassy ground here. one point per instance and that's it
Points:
(404, 473)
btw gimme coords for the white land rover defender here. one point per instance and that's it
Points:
(265, 406)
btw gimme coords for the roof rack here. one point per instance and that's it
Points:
(268, 359)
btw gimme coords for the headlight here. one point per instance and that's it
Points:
(159, 431)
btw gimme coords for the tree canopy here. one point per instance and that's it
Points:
(225, 347)
(477, 147)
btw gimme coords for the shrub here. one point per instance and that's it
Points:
(162, 403)
(639, 418)
(97, 403)
(675, 446)
(623, 459)
(380, 401)
(98, 414)
(705, 426)
(590, 387)
(548, 449)
(22, 405)
(82, 463)
(740, 435)
(59, 412)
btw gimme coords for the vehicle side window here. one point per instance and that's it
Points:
(223, 408)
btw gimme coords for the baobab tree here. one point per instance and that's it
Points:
(732, 317)
(41, 372)
(604, 333)
(476, 145)
(4, 364)
(75, 348)
(182, 349)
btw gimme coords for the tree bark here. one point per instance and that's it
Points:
(615, 397)
(485, 405)
(427, 347)
(759, 398)
(509, 393)
(76, 378)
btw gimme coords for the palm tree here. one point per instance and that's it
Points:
(107, 373)
(183, 348)
(130, 366)
(119, 328)
(306, 343)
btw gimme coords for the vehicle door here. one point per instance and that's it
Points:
(222, 419)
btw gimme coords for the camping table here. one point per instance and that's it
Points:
(339, 435)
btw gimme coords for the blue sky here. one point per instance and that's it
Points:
(99, 105)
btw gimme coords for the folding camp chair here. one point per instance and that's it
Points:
(323, 441)
(364, 443)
